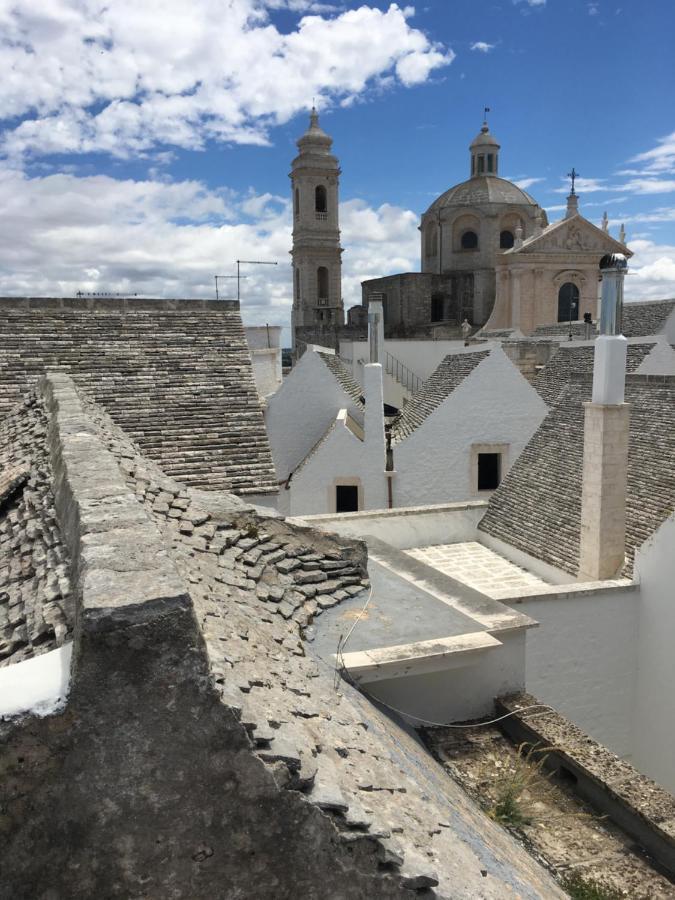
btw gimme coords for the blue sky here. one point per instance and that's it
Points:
(144, 146)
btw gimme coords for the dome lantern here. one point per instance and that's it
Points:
(484, 151)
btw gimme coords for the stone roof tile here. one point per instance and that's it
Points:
(176, 375)
(573, 359)
(537, 508)
(640, 319)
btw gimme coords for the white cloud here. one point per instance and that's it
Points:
(98, 234)
(482, 46)
(525, 183)
(648, 186)
(584, 186)
(659, 159)
(593, 8)
(651, 273)
(531, 3)
(124, 77)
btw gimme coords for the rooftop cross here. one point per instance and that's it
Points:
(573, 175)
(486, 110)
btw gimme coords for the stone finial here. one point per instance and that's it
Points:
(572, 205)
(518, 242)
(538, 226)
(605, 222)
(622, 234)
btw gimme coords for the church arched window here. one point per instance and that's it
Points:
(320, 199)
(568, 302)
(296, 203)
(437, 307)
(322, 284)
(469, 240)
(506, 240)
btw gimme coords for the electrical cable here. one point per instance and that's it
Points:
(341, 671)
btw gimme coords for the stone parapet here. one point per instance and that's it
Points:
(610, 784)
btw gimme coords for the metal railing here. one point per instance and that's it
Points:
(401, 373)
(322, 216)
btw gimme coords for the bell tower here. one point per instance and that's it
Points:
(316, 253)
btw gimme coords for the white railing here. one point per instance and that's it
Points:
(401, 373)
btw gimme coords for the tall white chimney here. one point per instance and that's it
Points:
(606, 431)
(376, 327)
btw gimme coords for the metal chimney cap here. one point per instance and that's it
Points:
(613, 261)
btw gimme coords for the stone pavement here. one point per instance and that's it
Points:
(479, 568)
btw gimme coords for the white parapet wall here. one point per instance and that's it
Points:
(414, 526)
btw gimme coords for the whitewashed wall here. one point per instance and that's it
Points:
(659, 361)
(301, 411)
(413, 527)
(655, 692)
(343, 458)
(582, 659)
(493, 405)
(456, 695)
(421, 357)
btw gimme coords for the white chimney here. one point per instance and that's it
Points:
(376, 327)
(606, 432)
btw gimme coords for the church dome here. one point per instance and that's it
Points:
(482, 189)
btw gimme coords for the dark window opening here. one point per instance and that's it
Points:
(568, 302)
(506, 240)
(346, 498)
(489, 471)
(322, 283)
(320, 199)
(481, 164)
(297, 284)
(491, 162)
(296, 203)
(437, 308)
(469, 240)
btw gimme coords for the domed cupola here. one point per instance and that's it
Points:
(315, 139)
(484, 153)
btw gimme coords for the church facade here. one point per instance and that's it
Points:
(488, 256)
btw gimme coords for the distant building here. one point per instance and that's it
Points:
(488, 255)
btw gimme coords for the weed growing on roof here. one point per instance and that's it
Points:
(580, 888)
(515, 787)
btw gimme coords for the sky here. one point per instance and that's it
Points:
(145, 146)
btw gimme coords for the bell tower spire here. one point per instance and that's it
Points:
(316, 253)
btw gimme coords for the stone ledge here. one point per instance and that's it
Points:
(116, 304)
(119, 563)
(611, 785)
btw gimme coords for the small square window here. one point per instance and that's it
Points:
(489, 471)
(346, 498)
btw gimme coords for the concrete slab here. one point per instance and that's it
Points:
(398, 613)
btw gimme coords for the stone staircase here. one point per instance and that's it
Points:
(174, 374)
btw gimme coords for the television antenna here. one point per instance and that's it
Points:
(250, 262)
(216, 277)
